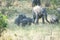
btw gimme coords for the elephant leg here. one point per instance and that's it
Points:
(46, 18)
(34, 16)
(24, 23)
(45, 14)
(43, 19)
(33, 20)
(36, 20)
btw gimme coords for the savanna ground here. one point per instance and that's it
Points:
(34, 32)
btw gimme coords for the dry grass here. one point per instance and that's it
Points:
(33, 32)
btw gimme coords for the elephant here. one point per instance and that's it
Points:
(36, 2)
(19, 18)
(39, 12)
(22, 19)
(54, 19)
(27, 21)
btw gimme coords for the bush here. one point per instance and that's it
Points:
(3, 23)
(3, 20)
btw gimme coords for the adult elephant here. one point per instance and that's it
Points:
(36, 2)
(39, 12)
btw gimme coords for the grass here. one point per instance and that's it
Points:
(34, 32)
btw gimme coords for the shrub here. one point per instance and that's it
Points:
(3, 20)
(3, 23)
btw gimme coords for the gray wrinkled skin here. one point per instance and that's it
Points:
(39, 12)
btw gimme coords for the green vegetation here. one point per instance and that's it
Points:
(3, 23)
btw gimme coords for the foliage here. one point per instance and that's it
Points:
(57, 2)
(9, 11)
(52, 11)
(3, 21)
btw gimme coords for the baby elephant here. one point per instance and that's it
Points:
(22, 19)
(54, 19)
(27, 21)
(19, 18)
